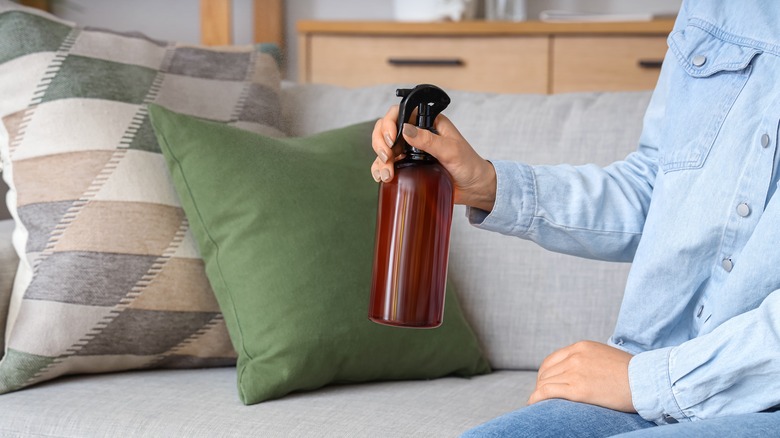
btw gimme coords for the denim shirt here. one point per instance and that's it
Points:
(693, 209)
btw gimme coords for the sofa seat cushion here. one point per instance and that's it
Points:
(203, 403)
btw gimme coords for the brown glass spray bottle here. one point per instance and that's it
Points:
(413, 225)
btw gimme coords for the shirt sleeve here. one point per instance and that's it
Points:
(701, 378)
(587, 211)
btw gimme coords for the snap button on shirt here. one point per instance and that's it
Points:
(699, 60)
(743, 209)
(765, 140)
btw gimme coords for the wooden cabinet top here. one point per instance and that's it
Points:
(485, 28)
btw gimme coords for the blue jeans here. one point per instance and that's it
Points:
(564, 419)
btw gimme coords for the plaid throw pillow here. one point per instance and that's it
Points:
(110, 277)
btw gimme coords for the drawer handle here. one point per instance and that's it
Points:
(422, 62)
(650, 63)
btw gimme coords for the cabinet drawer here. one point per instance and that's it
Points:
(495, 64)
(606, 63)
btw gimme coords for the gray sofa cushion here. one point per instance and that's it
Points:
(204, 403)
(522, 301)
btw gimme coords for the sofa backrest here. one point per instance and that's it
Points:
(523, 301)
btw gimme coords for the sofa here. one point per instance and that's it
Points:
(521, 301)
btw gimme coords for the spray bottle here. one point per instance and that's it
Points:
(413, 225)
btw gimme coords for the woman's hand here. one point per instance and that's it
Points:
(586, 372)
(473, 177)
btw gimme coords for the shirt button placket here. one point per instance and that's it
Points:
(743, 210)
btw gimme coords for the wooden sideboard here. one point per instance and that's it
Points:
(509, 57)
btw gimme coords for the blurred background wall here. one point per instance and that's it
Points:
(178, 19)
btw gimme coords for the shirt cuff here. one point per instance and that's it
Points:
(513, 210)
(651, 387)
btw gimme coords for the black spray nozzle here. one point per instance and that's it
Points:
(429, 100)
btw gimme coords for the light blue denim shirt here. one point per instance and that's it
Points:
(693, 210)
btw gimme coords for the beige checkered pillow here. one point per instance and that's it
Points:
(111, 278)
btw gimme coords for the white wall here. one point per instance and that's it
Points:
(174, 20)
(179, 19)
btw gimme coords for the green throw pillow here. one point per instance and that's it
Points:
(286, 229)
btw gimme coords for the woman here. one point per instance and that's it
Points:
(697, 344)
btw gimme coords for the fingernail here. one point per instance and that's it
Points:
(388, 140)
(383, 156)
(375, 174)
(385, 175)
(410, 130)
